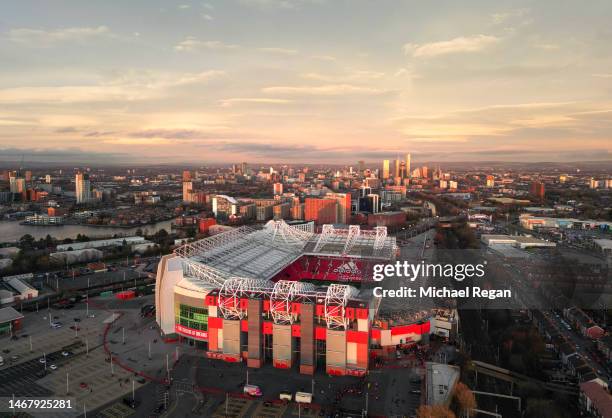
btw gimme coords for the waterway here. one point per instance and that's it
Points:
(11, 231)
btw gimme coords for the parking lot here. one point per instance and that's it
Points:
(392, 391)
(83, 372)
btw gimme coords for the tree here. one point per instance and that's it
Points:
(463, 398)
(435, 411)
(26, 242)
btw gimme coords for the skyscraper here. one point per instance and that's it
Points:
(397, 167)
(385, 169)
(408, 171)
(187, 191)
(82, 188)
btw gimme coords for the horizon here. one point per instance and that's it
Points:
(474, 81)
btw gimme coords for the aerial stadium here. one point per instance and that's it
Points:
(283, 295)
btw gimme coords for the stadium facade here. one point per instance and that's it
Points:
(283, 295)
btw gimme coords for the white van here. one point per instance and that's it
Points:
(285, 395)
(252, 390)
(303, 397)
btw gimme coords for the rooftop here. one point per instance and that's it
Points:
(601, 398)
(9, 314)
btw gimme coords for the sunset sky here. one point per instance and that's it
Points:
(305, 80)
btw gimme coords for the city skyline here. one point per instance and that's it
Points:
(202, 82)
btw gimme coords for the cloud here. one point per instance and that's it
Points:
(546, 122)
(203, 77)
(280, 4)
(206, 16)
(153, 80)
(15, 121)
(324, 90)
(279, 51)
(547, 46)
(169, 134)
(139, 141)
(68, 94)
(602, 75)
(184, 6)
(323, 58)
(59, 154)
(41, 37)
(126, 87)
(191, 43)
(253, 100)
(499, 18)
(356, 75)
(461, 44)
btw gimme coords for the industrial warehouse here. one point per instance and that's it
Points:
(287, 296)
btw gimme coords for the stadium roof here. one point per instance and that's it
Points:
(261, 253)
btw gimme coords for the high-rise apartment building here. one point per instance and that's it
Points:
(278, 188)
(425, 172)
(537, 189)
(322, 211)
(187, 191)
(82, 188)
(224, 206)
(186, 175)
(385, 169)
(343, 208)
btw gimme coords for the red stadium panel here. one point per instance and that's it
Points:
(359, 337)
(295, 331)
(321, 333)
(350, 313)
(362, 355)
(210, 301)
(268, 329)
(214, 322)
(213, 339)
(244, 325)
(282, 364)
(361, 313)
(411, 329)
